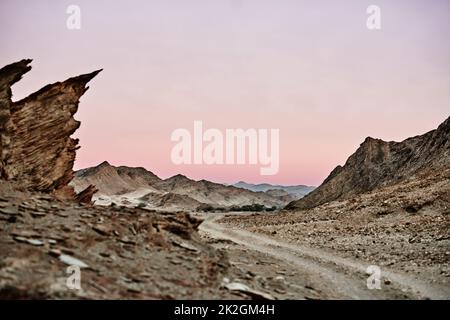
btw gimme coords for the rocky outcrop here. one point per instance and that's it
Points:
(296, 192)
(85, 196)
(377, 163)
(8, 76)
(36, 150)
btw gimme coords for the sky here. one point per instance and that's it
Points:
(311, 69)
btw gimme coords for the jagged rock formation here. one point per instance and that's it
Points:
(377, 163)
(124, 252)
(85, 195)
(36, 151)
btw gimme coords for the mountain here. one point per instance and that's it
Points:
(140, 187)
(111, 180)
(298, 191)
(377, 163)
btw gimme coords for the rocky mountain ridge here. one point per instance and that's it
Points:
(378, 163)
(138, 186)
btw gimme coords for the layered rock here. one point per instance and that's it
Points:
(8, 76)
(36, 150)
(377, 163)
(124, 253)
(296, 192)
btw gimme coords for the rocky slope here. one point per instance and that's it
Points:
(403, 228)
(388, 207)
(138, 186)
(377, 163)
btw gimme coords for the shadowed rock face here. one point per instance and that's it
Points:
(8, 76)
(36, 151)
(378, 163)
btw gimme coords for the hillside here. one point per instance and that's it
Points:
(378, 163)
(140, 187)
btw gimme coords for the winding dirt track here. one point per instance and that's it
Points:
(339, 277)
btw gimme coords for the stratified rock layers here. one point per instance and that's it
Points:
(36, 151)
(8, 76)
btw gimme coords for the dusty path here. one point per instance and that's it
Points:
(335, 276)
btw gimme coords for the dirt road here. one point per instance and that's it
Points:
(334, 276)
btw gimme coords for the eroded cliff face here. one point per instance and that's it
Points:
(378, 163)
(36, 150)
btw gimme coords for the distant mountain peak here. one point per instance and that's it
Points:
(136, 185)
(104, 164)
(179, 176)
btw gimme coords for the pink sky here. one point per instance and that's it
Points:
(309, 68)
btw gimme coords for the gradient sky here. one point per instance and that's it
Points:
(309, 68)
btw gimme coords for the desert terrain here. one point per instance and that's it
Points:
(136, 236)
(406, 236)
